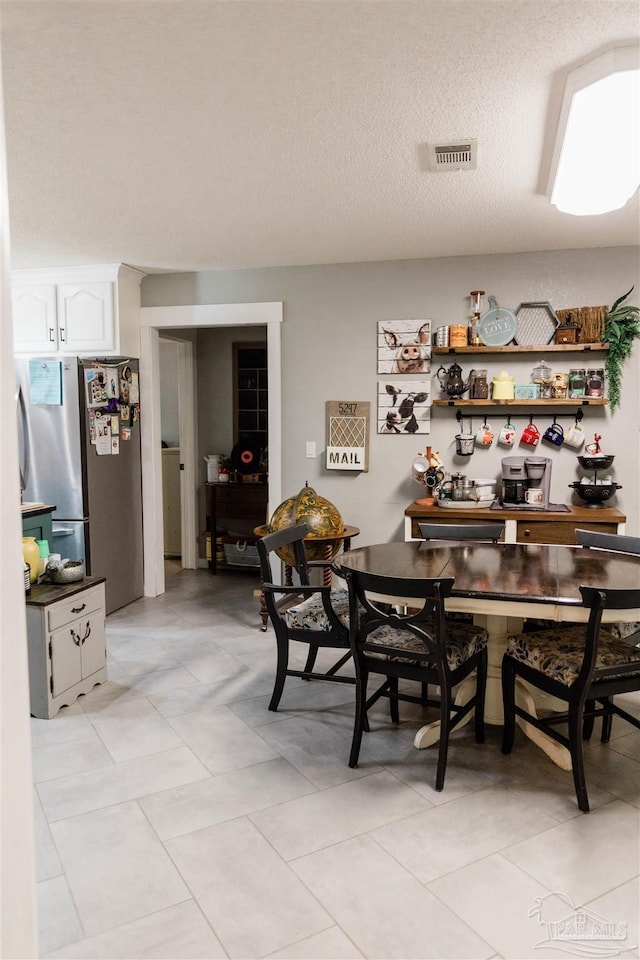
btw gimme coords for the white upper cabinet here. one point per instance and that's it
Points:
(82, 311)
(35, 322)
(86, 320)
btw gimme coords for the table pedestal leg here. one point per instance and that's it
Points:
(499, 628)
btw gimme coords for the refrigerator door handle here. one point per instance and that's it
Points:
(24, 453)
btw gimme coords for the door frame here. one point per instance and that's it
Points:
(152, 321)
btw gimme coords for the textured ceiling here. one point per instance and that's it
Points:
(188, 135)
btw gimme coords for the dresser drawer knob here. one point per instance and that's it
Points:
(527, 532)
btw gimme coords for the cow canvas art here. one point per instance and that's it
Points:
(404, 406)
(404, 346)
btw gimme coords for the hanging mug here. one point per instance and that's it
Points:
(574, 437)
(484, 436)
(554, 434)
(530, 435)
(507, 435)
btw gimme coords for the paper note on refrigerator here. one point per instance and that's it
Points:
(45, 381)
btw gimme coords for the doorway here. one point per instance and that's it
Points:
(153, 320)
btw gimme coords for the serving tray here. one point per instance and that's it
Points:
(465, 504)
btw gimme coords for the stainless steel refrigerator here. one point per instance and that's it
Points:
(97, 498)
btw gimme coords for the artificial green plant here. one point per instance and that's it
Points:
(621, 327)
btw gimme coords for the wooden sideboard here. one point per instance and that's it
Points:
(521, 526)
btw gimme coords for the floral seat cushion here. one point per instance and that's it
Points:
(558, 652)
(463, 641)
(311, 615)
(622, 631)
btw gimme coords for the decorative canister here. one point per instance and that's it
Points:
(560, 386)
(458, 335)
(577, 382)
(503, 387)
(595, 383)
(31, 554)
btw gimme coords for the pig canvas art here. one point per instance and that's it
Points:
(404, 346)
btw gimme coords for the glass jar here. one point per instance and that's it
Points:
(577, 382)
(542, 375)
(595, 382)
(479, 385)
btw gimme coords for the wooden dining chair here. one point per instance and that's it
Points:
(617, 543)
(420, 645)
(462, 531)
(583, 666)
(478, 532)
(316, 615)
(608, 541)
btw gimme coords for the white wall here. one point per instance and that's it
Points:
(329, 353)
(169, 392)
(18, 936)
(215, 385)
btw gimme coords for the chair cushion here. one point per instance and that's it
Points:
(463, 641)
(558, 652)
(621, 630)
(310, 613)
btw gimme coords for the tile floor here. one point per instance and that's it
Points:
(177, 818)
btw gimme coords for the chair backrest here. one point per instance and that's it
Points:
(462, 531)
(371, 599)
(597, 599)
(608, 541)
(289, 541)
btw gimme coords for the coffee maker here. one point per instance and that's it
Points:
(526, 481)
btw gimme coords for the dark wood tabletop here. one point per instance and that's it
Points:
(513, 572)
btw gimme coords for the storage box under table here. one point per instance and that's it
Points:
(241, 551)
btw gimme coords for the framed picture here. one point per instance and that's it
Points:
(404, 346)
(404, 406)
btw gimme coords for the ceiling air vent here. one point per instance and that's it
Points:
(456, 155)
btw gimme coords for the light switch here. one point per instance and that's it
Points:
(310, 450)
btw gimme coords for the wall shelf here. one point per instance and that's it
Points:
(573, 402)
(513, 348)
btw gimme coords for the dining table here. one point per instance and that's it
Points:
(503, 584)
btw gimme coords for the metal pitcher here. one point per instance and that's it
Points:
(451, 380)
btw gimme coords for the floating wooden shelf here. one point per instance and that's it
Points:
(514, 348)
(573, 402)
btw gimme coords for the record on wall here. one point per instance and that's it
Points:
(245, 458)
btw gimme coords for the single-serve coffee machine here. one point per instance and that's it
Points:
(526, 481)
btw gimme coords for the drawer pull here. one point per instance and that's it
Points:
(527, 533)
(78, 609)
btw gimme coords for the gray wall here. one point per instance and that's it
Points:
(214, 357)
(169, 394)
(329, 353)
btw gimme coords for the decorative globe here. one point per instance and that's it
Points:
(322, 518)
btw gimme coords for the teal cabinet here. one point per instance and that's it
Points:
(36, 522)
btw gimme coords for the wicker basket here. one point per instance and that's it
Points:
(589, 319)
